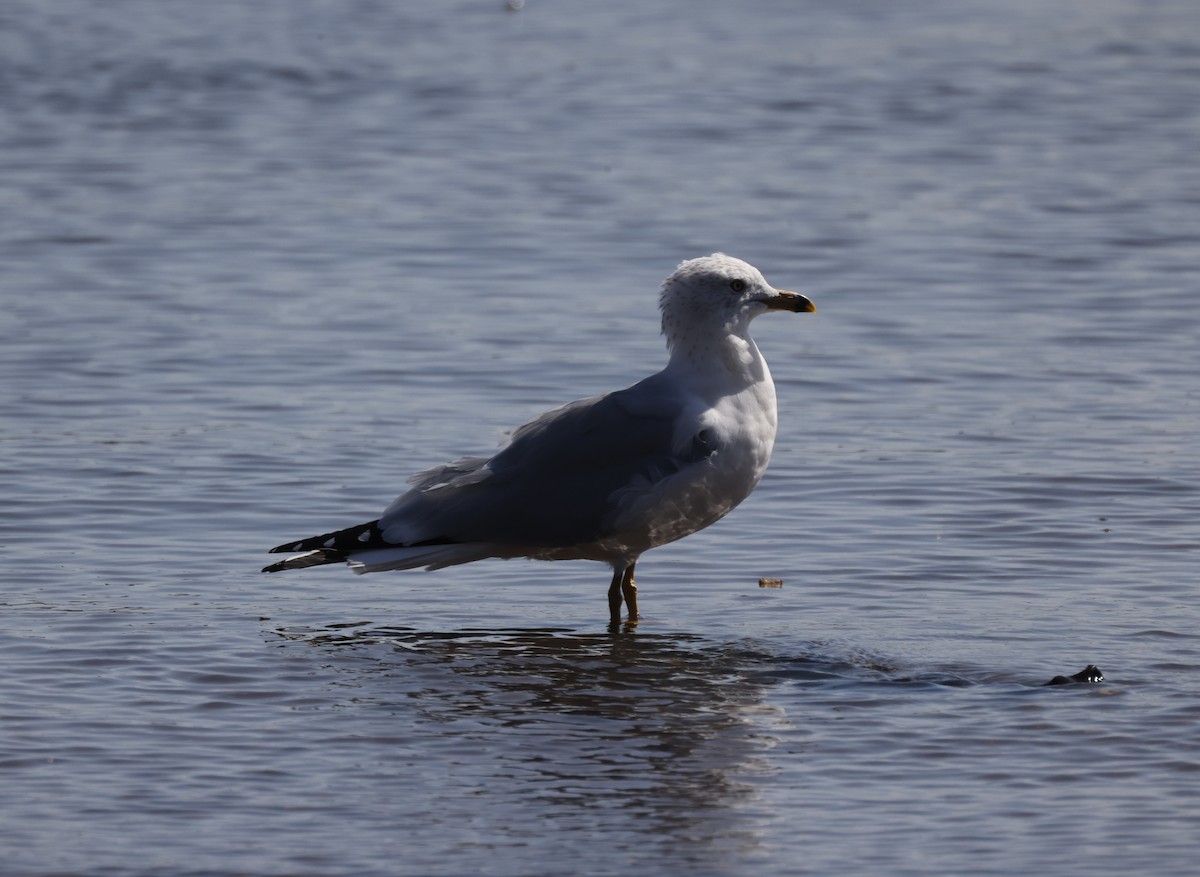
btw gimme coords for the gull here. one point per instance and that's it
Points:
(609, 477)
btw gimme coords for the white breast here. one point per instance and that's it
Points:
(740, 425)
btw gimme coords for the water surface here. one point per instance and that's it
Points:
(261, 262)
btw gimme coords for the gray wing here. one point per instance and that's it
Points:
(553, 485)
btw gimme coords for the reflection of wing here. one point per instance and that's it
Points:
(554, 483)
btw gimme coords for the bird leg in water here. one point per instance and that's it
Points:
(629, 590)
(622, 586)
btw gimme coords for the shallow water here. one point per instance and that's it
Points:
(259, 263)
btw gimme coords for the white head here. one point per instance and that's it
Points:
(714, 297)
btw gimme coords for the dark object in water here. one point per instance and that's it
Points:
(1090, 673)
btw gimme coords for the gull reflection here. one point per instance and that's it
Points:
(657, 738)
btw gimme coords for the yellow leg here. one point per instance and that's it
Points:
(614, 599)
(629, 591)
(622, 587)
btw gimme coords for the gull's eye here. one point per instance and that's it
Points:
(738, 285)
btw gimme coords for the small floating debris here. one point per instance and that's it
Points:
(1090, 673)
(770, 583)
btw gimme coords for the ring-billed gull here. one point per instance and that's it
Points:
(609, 477)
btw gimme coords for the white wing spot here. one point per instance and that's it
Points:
(364, 536)
(328, 543)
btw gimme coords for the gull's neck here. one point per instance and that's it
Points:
(728, 360)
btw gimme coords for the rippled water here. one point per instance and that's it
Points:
(260, 262)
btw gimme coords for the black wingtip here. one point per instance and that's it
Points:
(311, 558)
(357, 538)
(327, 548)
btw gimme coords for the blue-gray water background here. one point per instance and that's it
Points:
(259, 262)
